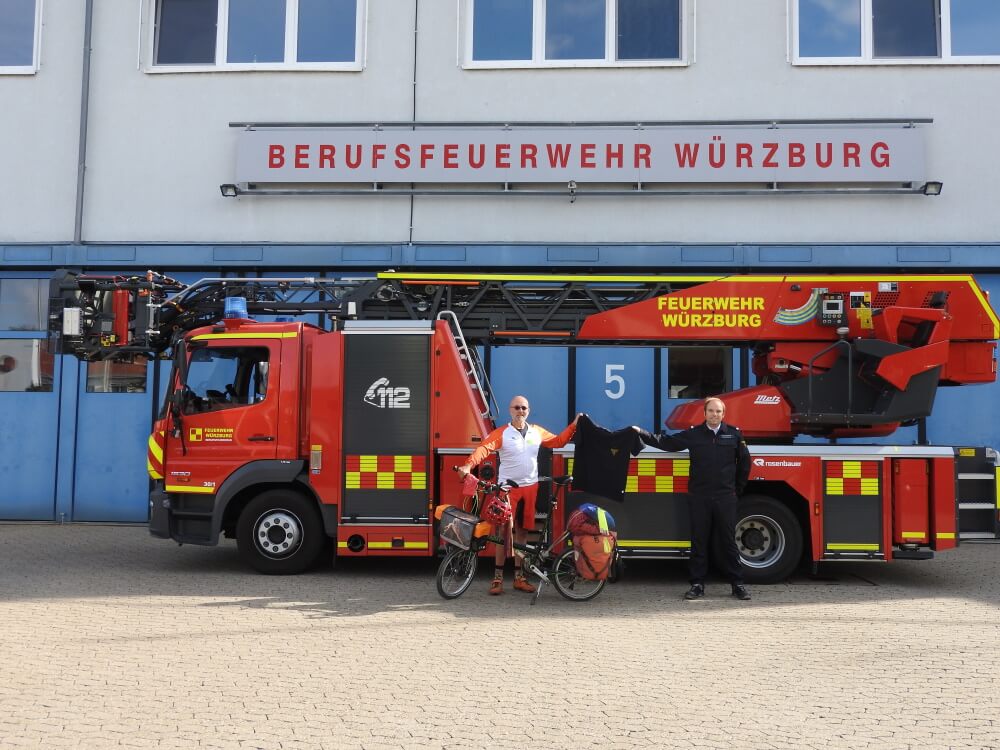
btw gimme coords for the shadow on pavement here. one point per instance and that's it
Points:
(83, 561)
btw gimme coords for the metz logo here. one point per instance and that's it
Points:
(384, 396)
(782, 462)
(767, 400)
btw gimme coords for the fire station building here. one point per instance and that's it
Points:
(340, 138)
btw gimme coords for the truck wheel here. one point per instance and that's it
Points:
(769, 538)
(280, 533)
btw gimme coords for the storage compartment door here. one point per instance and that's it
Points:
(910, 501)
(852, 510)
(386, 428)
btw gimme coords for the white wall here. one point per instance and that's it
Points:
(39, 133)
(160, 144)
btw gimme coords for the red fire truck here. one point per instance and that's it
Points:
(297, 438)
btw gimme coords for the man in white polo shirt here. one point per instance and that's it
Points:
(518, 444)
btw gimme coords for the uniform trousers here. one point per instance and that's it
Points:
(713, 521)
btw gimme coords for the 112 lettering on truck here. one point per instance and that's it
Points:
(304, 441)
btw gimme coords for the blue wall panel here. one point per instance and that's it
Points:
(662, 258)
(29, 428)
(614, 385)
(111, 483)
(537, 372)
(967, 415)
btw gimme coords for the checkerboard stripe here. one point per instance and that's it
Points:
(852, 478)
(649, 475)
(386, 473)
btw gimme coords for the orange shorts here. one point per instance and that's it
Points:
(525, 497)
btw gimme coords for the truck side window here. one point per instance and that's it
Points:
(225, 378)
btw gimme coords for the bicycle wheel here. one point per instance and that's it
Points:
(570, 583)
(456, 571)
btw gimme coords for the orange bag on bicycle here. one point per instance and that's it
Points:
(594, 554)
(594, 542)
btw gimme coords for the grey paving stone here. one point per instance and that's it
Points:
(113, 639)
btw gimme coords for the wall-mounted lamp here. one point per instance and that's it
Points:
(231, 191)
(933, 188)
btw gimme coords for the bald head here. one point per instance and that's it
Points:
(519, 409)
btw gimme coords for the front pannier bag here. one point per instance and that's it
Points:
(458, 528)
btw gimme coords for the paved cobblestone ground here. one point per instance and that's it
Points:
(113, 639)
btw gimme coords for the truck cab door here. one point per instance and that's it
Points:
(225, 413)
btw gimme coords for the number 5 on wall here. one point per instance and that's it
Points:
(613, 379)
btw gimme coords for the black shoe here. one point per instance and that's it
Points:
(697, 591)
(740, 592)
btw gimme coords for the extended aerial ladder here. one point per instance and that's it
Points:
(840, 356)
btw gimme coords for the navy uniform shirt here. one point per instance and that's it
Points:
(720, 463)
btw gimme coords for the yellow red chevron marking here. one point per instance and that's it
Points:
(154, 454)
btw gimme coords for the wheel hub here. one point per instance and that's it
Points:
(754, 539)
(760, 541)
(278, 533)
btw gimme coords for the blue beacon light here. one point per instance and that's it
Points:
(236, 307)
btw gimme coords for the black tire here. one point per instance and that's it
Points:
(280, 532)
(769, 539)
(456, 571)
(570, 583)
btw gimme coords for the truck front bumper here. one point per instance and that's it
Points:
(188, 519)
(159, 513)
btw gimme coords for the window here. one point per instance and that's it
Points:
(225, 377)
(975, 28)
(19, 36)
(25, 365)
(699, 371)
(562, 33)
(896, 31)
(23, 303)
(258, 34)
(117, 377)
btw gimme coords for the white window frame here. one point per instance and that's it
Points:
(465, 23)
(867, 44)
(36, 50)
(291, 45)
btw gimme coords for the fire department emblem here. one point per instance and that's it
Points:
(382, 395)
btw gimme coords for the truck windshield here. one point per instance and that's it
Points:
(225, 378)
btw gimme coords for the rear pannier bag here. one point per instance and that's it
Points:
(594, 554)
(587, 520)
(458, 528)
(594, 541)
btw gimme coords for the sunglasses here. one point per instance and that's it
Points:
(520, 408)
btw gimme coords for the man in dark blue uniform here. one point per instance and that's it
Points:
(720, 466)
